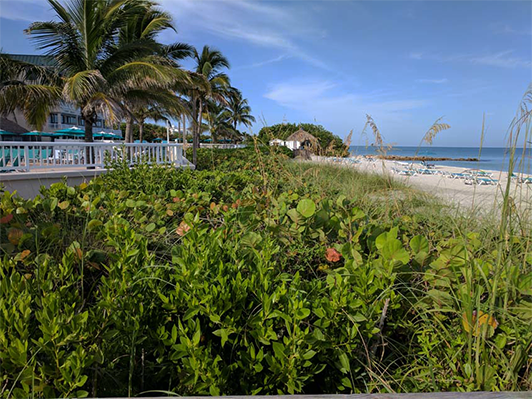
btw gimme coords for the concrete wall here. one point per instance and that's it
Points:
(27, 185)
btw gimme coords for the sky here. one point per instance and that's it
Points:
(405, 63)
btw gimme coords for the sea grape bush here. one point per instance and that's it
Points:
(219, 282)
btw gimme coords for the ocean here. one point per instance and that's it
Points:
(491, 158)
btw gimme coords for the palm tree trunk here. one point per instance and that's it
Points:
(89, 138)
(184, 132)
(141, 129)
(195, 130)
(200, 122)
(129, 130)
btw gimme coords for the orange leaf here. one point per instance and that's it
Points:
(24, 254)
(79, 253)
(14, 236)
(183, 228)
(6, 219)
(477, 320)
(332, 255)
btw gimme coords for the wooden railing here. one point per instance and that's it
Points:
(28, 155)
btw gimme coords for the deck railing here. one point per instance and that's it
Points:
(27, 155)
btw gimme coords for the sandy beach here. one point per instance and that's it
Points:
(458, 191)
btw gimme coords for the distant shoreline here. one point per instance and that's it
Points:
(423, 158)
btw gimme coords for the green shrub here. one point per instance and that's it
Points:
(245, 282)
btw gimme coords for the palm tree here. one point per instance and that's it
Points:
(96, 66)
(32, 89)
(239, 109)
(219, 123)
(159, 99)
(208, 68)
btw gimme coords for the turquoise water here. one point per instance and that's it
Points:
(491, 158)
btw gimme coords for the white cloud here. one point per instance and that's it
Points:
(436, 81)
(276, 25)
(507, 29)
(25, 10)
(503, 59)
(262, 63)
(325, 102)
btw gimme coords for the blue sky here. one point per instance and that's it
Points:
(332, 62)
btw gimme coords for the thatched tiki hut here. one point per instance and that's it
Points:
(302, 140)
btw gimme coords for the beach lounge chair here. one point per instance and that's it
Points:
(425, 171)
(459, 175)
(482, 181)
(480, 173)
(486, 181)
(526, 180)
(404, 172)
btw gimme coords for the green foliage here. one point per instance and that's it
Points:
(151, 131)
(248, 158)
(241, 278)
(283, 130)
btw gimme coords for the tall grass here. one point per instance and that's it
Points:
(483, 296)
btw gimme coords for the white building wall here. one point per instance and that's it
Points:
(63, 117)
(293, 145)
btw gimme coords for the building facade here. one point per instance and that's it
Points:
(65, 115)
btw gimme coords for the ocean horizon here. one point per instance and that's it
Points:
(490, 158)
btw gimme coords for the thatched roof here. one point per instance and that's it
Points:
(10, 126)
(302, 136)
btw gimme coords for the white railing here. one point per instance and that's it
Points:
(28, 155)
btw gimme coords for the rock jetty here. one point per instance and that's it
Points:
(422, 158)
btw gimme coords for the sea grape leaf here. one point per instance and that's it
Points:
(306, 207)
(393, 250)
(419, 244)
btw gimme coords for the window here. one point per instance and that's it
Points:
(53, 118)
(98, 123)
(69, 119)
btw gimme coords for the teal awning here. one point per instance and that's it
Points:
(72, 130)
(106, 135)
(40, 134)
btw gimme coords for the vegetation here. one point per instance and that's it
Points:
(326, 139)
(28, 88)
(107, 60)
(254, 275)
(150, 131)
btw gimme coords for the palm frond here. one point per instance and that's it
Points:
(177, 51)
(82, 86)
(100, 103)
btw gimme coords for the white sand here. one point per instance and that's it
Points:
(456, 191)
